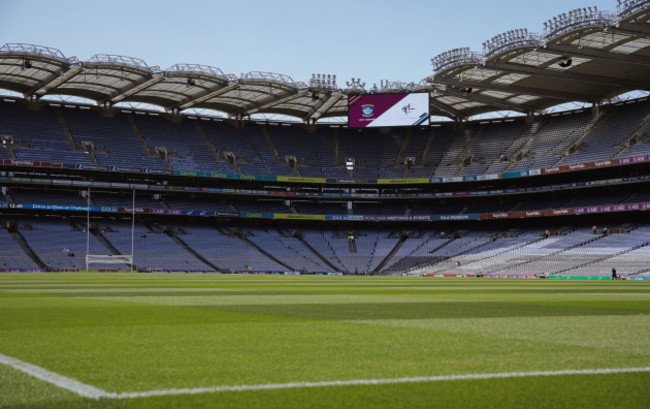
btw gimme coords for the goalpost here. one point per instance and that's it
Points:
(110, 258)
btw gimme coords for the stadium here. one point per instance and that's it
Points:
(492, 239)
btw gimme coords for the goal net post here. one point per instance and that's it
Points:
(109, 259)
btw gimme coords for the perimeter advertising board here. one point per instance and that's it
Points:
(387, 110)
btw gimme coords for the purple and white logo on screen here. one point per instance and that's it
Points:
(387, 110)
(407, 109)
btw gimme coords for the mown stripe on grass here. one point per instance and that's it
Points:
(92, 392)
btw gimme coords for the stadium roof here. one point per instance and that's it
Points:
(585, 55)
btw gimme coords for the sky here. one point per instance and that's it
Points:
(372, 39)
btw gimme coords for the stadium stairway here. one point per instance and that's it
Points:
(637, 136)
(18, 238)
(460, 159)
(494, 255)
(400, 155)
(337, 147)
(352, 245)
(421, 162)
(583, 243)
(8, 197)
(139, 135)
(390, 255)
(272, 148)
(453, 236)
(207, 141)
(578, 141)
(642, 272)
(514, 158)
(72, 223)
(66, 130)
(174, 236)
(100, 237)
(465, 251)
(316, 253)
(604, 258)
(241, 236)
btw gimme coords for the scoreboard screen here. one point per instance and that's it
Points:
(387, 110)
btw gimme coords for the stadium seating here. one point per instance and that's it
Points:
(131, 140)
(192, 246)
(153, 141)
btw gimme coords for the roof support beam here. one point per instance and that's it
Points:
(594, 53)
(274, 103)
(447, 110)
(131, 91)
(628, 28)
(53, 81)
(514, 89)
(331, 101)
(565, 75)
(484, 99)
(205, 97)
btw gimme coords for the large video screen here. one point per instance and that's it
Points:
(384, 110)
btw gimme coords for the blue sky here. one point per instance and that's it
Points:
(371, 39)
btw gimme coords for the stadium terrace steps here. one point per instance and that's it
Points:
(486, 254)
(639, 138)
(592, 125)
(615, 246)
(138, 134)
(272, 147)
(105, 242)
(16, 253)
(246, 240)
(315, 252)
(514, 157)
(190, 250)
(573, 240)
(427, 148)
(207, 141)
(389, 256)
(471, 242)
(460, 159)
(66, 130)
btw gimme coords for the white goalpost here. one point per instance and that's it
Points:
(108, 258)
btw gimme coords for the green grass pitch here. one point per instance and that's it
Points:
(125, 333)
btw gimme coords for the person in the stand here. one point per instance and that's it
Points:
(614, 276)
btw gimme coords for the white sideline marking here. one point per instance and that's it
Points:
(352, 382)
(72, 385)
(90, 391)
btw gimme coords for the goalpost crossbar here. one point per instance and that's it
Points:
(109, 259)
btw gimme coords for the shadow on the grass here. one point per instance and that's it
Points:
(427, 310)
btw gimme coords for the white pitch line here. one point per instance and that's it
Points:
(90, 391)
(72, 385)
(353, 382)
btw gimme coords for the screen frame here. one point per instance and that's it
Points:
(428, 120)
